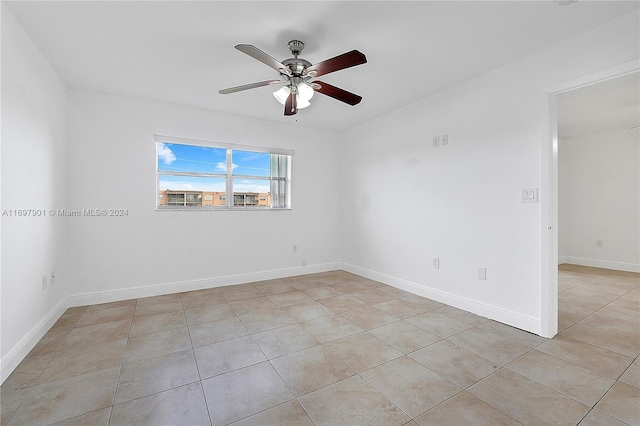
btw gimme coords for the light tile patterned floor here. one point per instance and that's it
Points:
(333, 349)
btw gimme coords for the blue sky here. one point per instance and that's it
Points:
(200, 159)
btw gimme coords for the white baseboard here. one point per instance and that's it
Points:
(598, 263)
(520, 321)
(95, 298)
(13, 358)
(19, 351)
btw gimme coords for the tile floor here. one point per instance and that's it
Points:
(333, 349)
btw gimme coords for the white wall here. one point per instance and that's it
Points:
(599, 199)
(33, 164)
(111, 164)
(406, 202)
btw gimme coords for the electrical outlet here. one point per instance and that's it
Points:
(294, 248)
(53, 277)
(304, 262)
(436, 141)
(436, 263)
(444, 140)
(599, 243)
(482, 274)
(44, 282)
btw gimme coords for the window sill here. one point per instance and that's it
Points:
(219, 209)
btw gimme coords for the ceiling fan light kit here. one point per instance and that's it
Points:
(296, 75)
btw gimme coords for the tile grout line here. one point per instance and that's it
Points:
(122, 363)
(195, 360)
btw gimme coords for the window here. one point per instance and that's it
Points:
(198, 175)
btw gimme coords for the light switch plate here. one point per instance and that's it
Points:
(529, 195)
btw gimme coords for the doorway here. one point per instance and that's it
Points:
(549, 187)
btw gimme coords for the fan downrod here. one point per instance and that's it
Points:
(296, 65)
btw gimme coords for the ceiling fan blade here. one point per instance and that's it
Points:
(291, 105)
(340, 62)
(337, 93)
(263, 57)
(247, 86)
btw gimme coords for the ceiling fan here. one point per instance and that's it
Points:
(296, 75)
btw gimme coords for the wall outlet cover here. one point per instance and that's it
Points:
(482, 274)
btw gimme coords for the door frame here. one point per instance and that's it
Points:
(549, 186)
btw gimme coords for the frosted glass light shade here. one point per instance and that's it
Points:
(282, 94)
(302, 103)
(305, 91)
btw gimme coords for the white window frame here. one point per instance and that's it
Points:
(281, 183)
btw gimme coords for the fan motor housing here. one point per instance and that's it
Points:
(296, 65)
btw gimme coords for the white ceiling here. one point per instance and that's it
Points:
(610, 105)
(182, 52)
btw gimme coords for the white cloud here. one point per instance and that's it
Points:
(191, 186)
(221, 167)
(165, 154)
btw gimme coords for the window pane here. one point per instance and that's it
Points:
(251, 193)
(192, 176)
(191, 158)
(279, 165)
(279, 183)
(248, 163)
(279, 193)
(188, 191)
